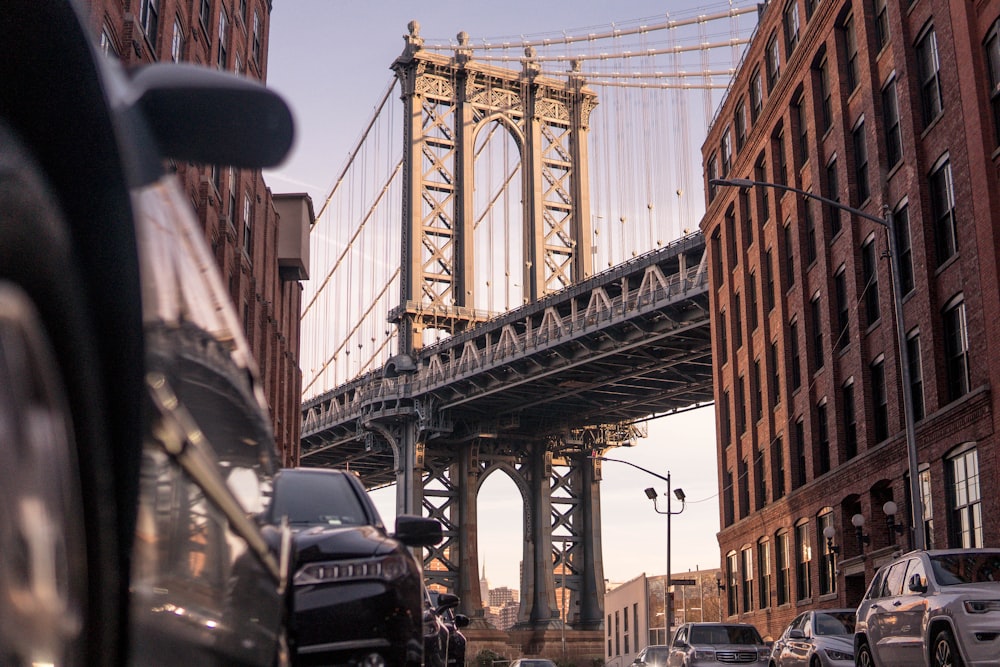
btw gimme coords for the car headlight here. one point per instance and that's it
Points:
(763, 653)
(386, 568)
(981, 606)
(834, 654)
(704, 654)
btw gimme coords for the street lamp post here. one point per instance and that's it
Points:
(652, 495)
(917, 501)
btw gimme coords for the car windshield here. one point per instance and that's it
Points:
(835, 623)
(317, 499)
(973, 567)
(725, 634)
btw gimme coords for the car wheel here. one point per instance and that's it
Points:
(944, 653)
(60, 591)
(863, 657)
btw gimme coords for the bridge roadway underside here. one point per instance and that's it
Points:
(530, 393)
(631, 342)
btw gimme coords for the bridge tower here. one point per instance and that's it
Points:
(448, 101)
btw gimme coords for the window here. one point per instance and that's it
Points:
(747, 557)
(760, 481)
(741, 406)
(740, 124)
(782, 567)
(869, 274)
(763, 194)
(881, 24)
(217, 177)
(827, 562)
(243, 11)
(149, 19)
(840, 294)
(966, 529)
(233, 190)
(956, 350)
(723, 339)
(810, 232)
(727, 499)
(799, 445)
(744, 486)
(850, 420)
(737, 321)
(791, 26)
(916, 374)
(802, 127)
(205, 15)
(928, 71)
(775, 382)
(752, 300)
(925, 493)
(860, 145)
(890, 120)
(943, 211)
(826, 103)
(993, 62)
(803, 562)
(734, 256)
(726, 426)
(851, 50)
(817, 331)
(223, 38)
(756, 96)
(717, 275)
(764, 573)
(811, 6)
(177, 43)
(901, 221)
(778, 467)
(833, 193)
(793, 346)
(732, 588)
(256, 38)
(726, 152)
(780, 159)
(789, 253)
(757, 402)
(711, 173)
(772, 61)
(822, 461)
(880, 399)
(768, 280)
(247, 226)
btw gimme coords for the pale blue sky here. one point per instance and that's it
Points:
(330, 59)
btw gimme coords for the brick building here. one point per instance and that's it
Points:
(257, 238)
(885, 107)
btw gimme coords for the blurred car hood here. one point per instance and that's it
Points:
(316, 543)
(843, 643)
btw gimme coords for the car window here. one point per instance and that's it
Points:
(875, 589)
(807, 626)
(680, 637)
(317, 499)
(725, 634)
(797, 624)
(893, 584)
(916, 567)
(966, 568)
(834, 623)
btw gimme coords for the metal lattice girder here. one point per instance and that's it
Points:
(440, 500)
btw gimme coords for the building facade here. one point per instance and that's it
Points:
(255, 237)
(892, 108)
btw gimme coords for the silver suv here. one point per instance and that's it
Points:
(704, 644)
(937, 608)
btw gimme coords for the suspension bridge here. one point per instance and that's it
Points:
(508, 277)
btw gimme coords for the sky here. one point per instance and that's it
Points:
(330, 60)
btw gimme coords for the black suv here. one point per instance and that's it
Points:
(358, 591)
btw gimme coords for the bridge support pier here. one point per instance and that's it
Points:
(538, 606)
(590, 595)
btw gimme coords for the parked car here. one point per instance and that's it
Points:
(698, 644)
(135, 442)
(932, 608)
(358, 591)
(532, 662)
(654, 655)
(819, 638)
(444, 643)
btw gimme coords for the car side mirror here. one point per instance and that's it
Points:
(796, 634)
(917, 584)
(462, 621)
(202, 115)
(417, 531)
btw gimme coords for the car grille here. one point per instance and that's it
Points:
(736, 657)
